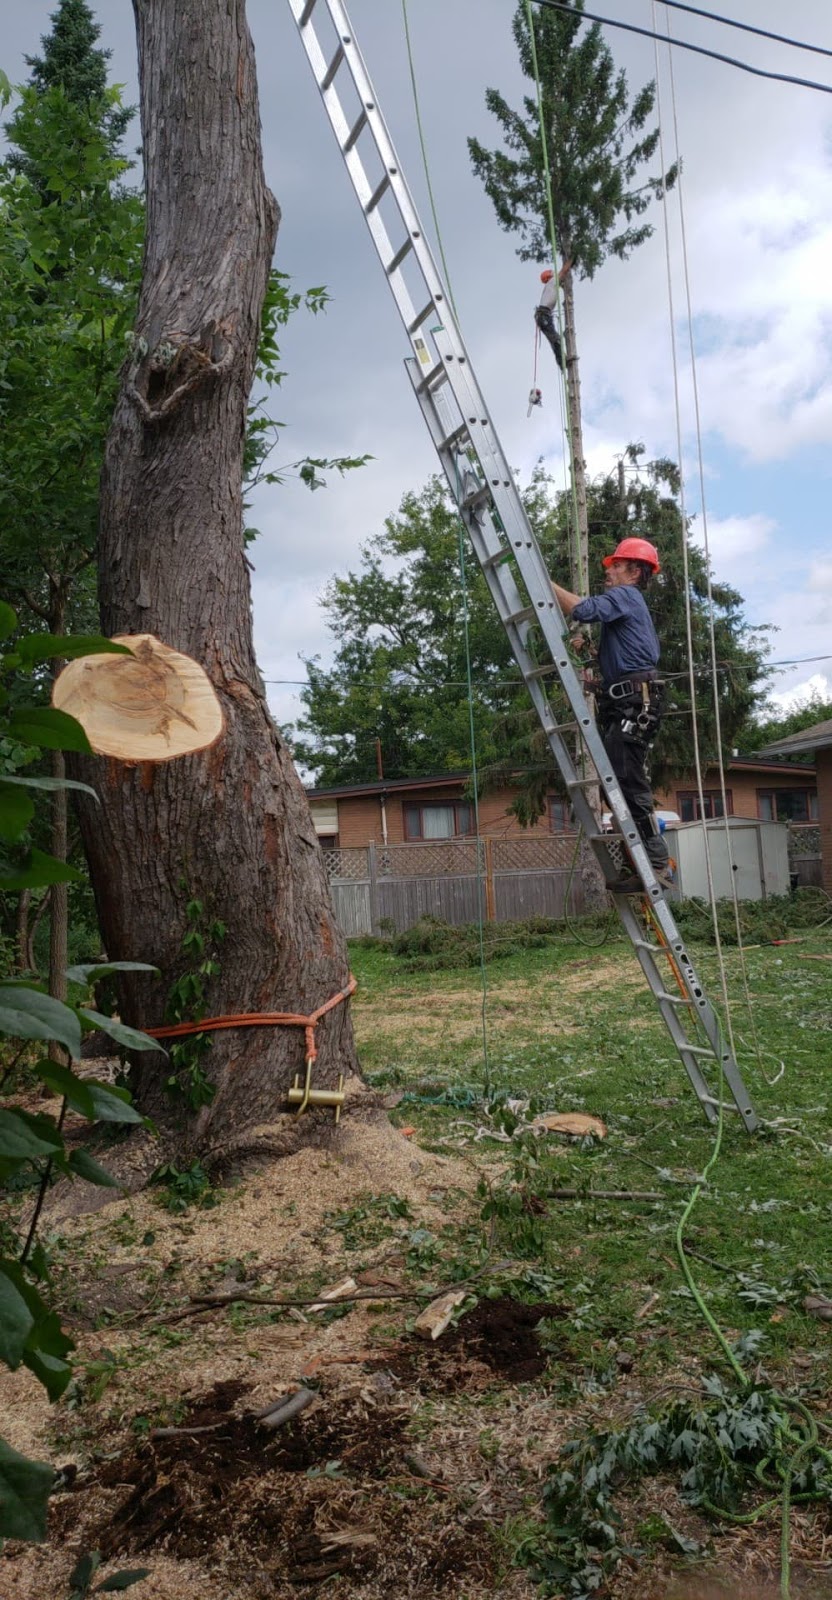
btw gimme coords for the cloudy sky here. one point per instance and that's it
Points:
(757, 157)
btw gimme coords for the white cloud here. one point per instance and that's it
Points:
(734, 539)
(818, 687)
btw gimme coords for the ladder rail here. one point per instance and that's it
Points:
(503, 541)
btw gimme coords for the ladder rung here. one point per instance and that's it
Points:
(380, 189)
(425, 312)
(560, 727)
(697, 1050)
(356, 130)
(333, 67)
(496, 555)
(476, 498)
(582, 783)
(525, 615)
(432, 379)
(644, 944)
(307, 12)
(541, 672)
(708, 1100)
(454, 438)
(674, 999)
(396, 260)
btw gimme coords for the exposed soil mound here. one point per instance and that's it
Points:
(499, 1335)
(328, 1496)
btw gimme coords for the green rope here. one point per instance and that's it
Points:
(475, 781)
(423, 147)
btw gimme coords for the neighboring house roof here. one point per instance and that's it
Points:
(458, 780)
(817, 737)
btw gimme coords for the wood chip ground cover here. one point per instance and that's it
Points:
(443, 1449)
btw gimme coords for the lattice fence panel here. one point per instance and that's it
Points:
(445, 859)
(349, 866)
(804, 839)
(538, 853)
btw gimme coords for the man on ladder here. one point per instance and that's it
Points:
(631, 701)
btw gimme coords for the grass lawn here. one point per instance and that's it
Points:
(428, 1470)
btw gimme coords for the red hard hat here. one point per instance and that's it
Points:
(635, 550)
(546, 275)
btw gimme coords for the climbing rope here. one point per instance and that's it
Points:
(465, 605)
(260, 1019)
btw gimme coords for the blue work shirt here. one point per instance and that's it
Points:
(629, 642)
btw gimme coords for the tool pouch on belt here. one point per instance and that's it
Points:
(636, 707)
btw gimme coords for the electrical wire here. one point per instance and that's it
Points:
(684, 44)
(748, 27)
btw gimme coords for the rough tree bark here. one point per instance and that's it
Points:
(229, 827)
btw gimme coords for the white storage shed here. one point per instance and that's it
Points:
(755, 855)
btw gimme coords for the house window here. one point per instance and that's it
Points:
(444, 820)
(560, 815)
(690, 809)
(787, 805)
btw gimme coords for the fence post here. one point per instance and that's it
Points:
(490, 903)
(372, 867)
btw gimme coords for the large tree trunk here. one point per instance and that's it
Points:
(59, 897)
(229, 828)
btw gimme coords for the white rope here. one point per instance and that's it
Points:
(686, 565)
(706, 546)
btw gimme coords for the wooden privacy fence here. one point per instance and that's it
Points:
(805, 862)
(459, 880)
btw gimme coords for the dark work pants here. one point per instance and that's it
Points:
(546, 323)
(628, 758)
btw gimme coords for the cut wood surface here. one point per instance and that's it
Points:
(432, 1322)
(153, 705)
(575, 1123)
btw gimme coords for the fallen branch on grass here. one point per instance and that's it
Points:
(287, 1407)
(605, 1194)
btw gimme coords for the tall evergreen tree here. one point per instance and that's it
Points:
(597, 148)
(73, 62)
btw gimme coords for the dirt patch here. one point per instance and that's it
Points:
(330, 1496)
(498, 1339)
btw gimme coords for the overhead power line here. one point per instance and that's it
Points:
(684, 44)
(747, 27)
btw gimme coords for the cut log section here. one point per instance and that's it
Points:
(432, 1322)
(576, 1124)
(153, 705)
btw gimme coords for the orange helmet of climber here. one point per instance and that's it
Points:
(635, 550)
(546, 275)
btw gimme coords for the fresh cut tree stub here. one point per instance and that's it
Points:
(152, 705)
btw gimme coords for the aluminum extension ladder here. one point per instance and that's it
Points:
(503, 541)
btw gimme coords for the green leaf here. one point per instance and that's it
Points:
(8, 618)
(50, 783)
(111, 1104)
(48, 728)
(84, 1166)
(16, 811)
(82, 974)
(24, 1137)
(36, 871)
(49, 1370)
(16, 1321)
(84, 1571)
(122, 1580)
(129, 1037)
(63, 1081)
(27, 1014)
(38, 647)
(25, 1487)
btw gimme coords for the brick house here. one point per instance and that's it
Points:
(412, 810)
(817, 742)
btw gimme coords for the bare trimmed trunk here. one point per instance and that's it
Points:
(59, 897)
(592, 878)
(580, 564)
(228, 829)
